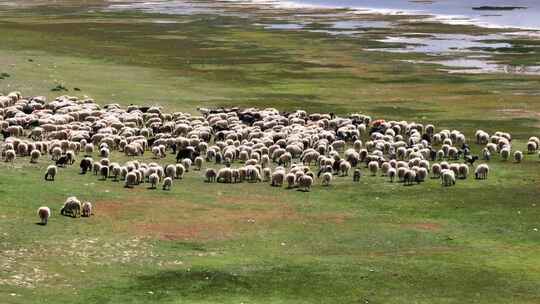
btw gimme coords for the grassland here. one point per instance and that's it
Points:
(372, 242)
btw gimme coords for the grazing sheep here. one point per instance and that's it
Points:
(11, 155)
(198, 163)
(210, 175)
(85, 165)
(104, 172)
(277, 178)
(463, 171)
(88, 149)
(170, 171)
(180, 169)
(481, 171)
(224, 175)
(167, 183)
(116, 171)
(186, 162)
(44, 213)
(157, 152)
(291, 180)
(131, 179)
(373, 167)
(357, 175)
(153, 179)
(436, 170)
(401, 173)
(421, 174)
(518, 156)
(34, 156)
(87, 209)
(532, 147)
(56, 153)
(505, 153)
(448, 178)
(392, 172)
(409, 178)
(344, 168)
(326, 178)
(384, 168)
(267, 174)
(305, 182)
(96, 167)
(51, 172)
(72, 207)
(486, 154)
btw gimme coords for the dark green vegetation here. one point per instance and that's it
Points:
(372, 242)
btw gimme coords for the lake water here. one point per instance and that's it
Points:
(451, 11)
(471, 54)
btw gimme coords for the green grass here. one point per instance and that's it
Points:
(371, 242)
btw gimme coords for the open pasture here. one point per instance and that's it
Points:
(368, 242)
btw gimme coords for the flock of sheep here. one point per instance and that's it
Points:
(278, 148)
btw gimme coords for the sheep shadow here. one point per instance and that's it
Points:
(41, 224)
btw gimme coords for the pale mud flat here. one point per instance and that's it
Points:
(343, 18)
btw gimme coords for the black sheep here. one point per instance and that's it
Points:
(470, 159)
(62, 161)
(85, 165)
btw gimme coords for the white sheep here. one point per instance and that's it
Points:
(410, 177)
(50, 173)
(373, 167)
(518, 156)
(198, 163)
(153, 179)
(481, 171)
(157, 152)
(326, 178)
(44, 213)
(277, 178)
(392, 172)
(505, 153)
(72, 207)
(11, 155)
(291, 180)
(421, 174)
(463, 171)
(34, 156)
(267, 174)
(210, 175)
(87, 209)
(180, 170)
(344, 168)
(305, 182)
(224, 175)
(448, 178)
(88, 149)
(170, 171)
(167, 183)
(186, 162)
(532, 147)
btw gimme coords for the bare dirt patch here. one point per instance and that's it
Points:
(521, 113)
(108, 208)
(337, 218)
(423, 226)
(415, 252)
(250, 199)
(176, 219)
(213, 223)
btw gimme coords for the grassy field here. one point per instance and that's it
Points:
(372, 242)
